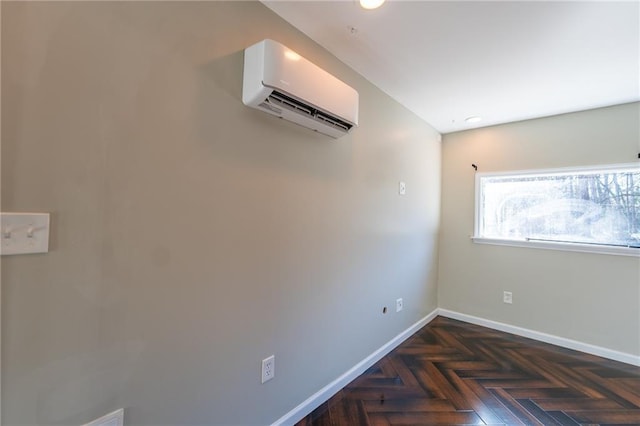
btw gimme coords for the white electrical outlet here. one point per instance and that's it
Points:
(507, 297)
(402, 188)
(398, 305)
(268, 368)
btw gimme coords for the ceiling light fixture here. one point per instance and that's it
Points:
(371, 4)
(473, 119)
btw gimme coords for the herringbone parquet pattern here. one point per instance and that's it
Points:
(454, 373)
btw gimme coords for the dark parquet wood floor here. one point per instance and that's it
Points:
(454, 373)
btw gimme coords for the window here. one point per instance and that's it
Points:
(586, 209)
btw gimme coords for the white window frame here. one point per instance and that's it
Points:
(549, 245)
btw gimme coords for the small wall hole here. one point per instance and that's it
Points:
(384, 310)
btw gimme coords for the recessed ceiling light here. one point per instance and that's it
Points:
(371, 4)
(473, 119)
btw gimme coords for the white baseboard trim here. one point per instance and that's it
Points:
(544, 337)
(332, 388)
(112, 419)
(314, 401)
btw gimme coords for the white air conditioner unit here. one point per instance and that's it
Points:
(279, 81)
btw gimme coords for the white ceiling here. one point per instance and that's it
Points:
(501, 60)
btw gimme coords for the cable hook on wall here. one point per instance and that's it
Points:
(474, 167)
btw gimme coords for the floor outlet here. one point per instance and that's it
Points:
(399, 305)
(268, 368)
(507, 297)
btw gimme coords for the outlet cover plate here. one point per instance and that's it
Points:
(507, 297)
(399, 305)
(268, 368)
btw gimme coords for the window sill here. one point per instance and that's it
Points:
(583, 248)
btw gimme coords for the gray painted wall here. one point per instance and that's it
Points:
(193, 236)
(591, 298)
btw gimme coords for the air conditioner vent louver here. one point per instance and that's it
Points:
(333, 121)
(280, 82)
(267, 105)
(287, 102)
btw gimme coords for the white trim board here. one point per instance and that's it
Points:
(115, 418)
(314, 401)
(544, 337)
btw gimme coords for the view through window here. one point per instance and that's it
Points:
(587, 206)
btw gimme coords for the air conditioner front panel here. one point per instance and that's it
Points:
(281, 82)
(289, 72)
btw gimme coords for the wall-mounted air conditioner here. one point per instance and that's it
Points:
(280, 82)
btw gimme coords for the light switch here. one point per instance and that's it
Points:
(23, 233)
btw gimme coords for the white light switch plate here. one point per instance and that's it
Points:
(22, 233)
